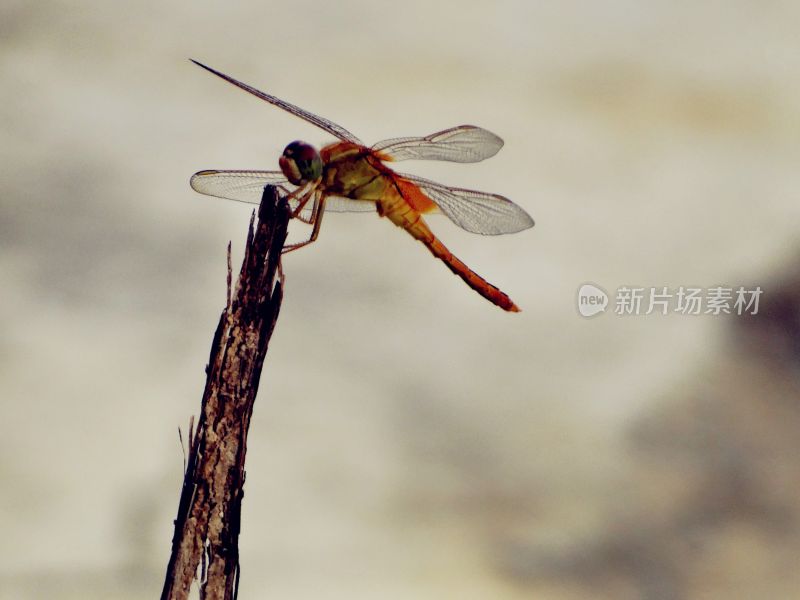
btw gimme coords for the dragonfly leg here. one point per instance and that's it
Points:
(315, 220)
(306, 193)
(306, 220)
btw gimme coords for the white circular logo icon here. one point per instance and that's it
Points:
(592, 300)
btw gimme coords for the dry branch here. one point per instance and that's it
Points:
(209, 511)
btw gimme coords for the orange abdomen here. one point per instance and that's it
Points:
(402, 211)
(352, 171)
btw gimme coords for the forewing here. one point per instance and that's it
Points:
(463, 144)
(474, 211)
(241, 186)
(248, 186)
(324, 124)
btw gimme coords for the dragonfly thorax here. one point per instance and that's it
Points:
(301, 163)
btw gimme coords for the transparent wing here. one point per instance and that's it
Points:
(463, 144)
(324, 124)
(248, 186)
(477, 212)
(242, 186)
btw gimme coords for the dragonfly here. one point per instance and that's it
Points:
(347, 176)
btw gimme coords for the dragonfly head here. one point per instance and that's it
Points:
(301, 163)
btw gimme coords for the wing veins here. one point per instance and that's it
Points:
(324, 124)
(463, 144)
(474, 211)
(248, 186)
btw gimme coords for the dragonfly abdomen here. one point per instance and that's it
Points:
(492, 293)
(400, 212)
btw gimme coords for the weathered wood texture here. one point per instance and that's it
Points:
(209, 513)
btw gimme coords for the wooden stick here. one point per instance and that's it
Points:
(209, 511)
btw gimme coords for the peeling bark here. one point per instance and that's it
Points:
(209, 512)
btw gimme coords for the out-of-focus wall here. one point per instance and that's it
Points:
(410, 439)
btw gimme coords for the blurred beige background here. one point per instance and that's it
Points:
(410, 440)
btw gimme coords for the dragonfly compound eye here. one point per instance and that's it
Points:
(301, 163)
